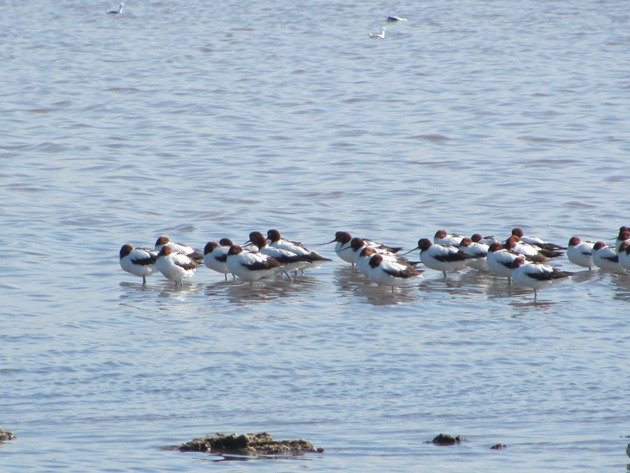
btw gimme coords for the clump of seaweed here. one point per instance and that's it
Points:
(444, 439)
(498, 446)
(6, 435)
(260, 443)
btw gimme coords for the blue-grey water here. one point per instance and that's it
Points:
(208, 119)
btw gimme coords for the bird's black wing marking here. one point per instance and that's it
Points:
(269, 263)
(452, 257)
(187, 266)
(145, 261)
(548, 276)
(408, 272)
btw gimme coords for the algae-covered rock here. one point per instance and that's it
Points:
(444, 439)
(249, 444)
(6, 435)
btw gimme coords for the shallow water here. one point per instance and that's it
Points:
(202, 121)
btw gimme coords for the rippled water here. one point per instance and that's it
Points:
(202, 120)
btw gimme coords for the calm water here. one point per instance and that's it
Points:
(209, 119)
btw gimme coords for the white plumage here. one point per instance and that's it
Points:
(251, 266)
(501, 261)
(580, 252)
(138, 261)
(388, 272)
(606, 258)
(380, 35)
(345, 250)
(442, 258)
(477, 251)
(535, 275)
(175, 267)
(441, 237)
(624, 255)
(215, 256)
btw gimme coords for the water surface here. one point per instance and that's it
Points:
(205, 120)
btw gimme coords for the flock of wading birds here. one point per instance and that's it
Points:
(522, 259)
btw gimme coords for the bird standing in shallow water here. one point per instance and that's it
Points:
(533, 240)
(215, 255)
(500, 261)
(531, 252)
(478, 252)
(441, 257)
(192, 253)
(624, 255)
(175, 266)
(290, 260)
(138, 261)
(277, 241)
(535, 275)
(606, 258)
(346, 252)
(251, 266)
(624, 234)
(441, 237)
(387, 272)
(580, 252)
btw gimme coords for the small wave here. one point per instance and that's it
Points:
(542, 139)
(123, 90)
(187, 228)
(550, 161)
(49, 147)
(575, 204)
(432, 137)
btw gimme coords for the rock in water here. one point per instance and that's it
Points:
(6, 435)
(249, 444)
(444, 439)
